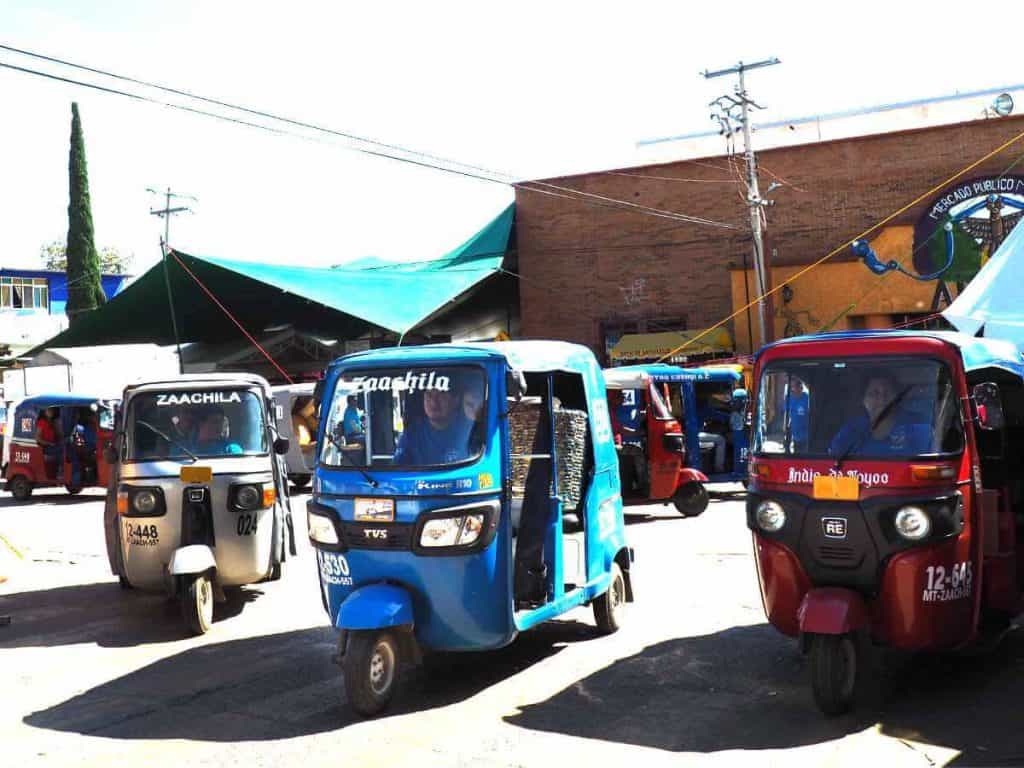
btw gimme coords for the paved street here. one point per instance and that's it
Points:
(94, 675)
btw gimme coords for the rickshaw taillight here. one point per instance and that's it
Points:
(122, 503)
(760, 471)
(932, 471)
(269, 497)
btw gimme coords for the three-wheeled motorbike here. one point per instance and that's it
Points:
(482, 500)
(57, 440)
(198, 501)
(649, 442)
(887, 494)
(299, 425)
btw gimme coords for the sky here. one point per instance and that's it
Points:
(531, 89)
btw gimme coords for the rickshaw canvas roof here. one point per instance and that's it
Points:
(193, 380)
(526, 356)
(977, 353)
(58, 401)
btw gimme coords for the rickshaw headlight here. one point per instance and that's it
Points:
(770, 516)
(145, 502)
(458, 531)
(248, 496)
(321, 529)
(913, 523)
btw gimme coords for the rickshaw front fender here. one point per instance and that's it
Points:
(195, 558)
(376, 606)
(832, 611)
(690, 475)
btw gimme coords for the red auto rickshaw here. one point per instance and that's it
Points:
(886, 495)
(57, 440)
(652, 459)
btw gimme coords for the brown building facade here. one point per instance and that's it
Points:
(595, 270)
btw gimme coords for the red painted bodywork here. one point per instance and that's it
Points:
(27, 459)
(899, 615)
(832, 611)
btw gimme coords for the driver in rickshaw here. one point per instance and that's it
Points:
(212, 435)
(627, 431)
(883, 428)
(440, 435)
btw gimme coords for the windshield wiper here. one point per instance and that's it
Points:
(344, 456)
(176, 444)
(874, 423)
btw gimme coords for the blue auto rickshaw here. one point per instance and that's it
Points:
(481, 498)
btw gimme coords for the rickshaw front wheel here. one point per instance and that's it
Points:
(21, 487)
(197, 603)
(610, 608)
(833, 660)
(371, 671)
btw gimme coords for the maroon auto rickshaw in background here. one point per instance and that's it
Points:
(57, 440)
(651, 460)
(887, 508)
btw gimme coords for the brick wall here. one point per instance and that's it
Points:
(582, 264)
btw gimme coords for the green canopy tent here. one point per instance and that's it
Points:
(340, 302)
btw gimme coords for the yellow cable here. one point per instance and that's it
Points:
(845, 245)
(14, 549)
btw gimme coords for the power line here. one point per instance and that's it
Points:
(409, 160)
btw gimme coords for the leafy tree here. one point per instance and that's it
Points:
(85, 289)
(112, 261)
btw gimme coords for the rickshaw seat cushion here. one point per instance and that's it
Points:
(195, 558)
(376, 606)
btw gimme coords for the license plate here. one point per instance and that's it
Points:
(836, 488)
(197, 474)
(375, 510)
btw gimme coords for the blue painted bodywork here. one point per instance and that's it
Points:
(376, 606)
(465, 601)
(687, 379)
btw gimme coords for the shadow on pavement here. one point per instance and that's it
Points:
(747, 688)
(55, 499)
(103, 614)
(276, 687)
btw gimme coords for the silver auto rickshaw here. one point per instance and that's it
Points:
(198, 499)
(299, 425)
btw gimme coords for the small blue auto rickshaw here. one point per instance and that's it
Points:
(480, 498)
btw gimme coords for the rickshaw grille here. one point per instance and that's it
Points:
(837, 554)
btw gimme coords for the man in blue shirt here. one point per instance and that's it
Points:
(798, 408)
(882, 429)
(352, 422)
(210, 437)
(440, 438)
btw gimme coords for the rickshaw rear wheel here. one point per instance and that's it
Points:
(834, 662)
(74, 490)
(371, 666)
(691, 500)
(21, 487)
(610, 608)
(197, 603)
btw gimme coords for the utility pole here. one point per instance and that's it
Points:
(165, 213)
(729, 112)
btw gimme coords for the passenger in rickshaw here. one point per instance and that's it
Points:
(438, 435)
(212, 435)
(883, 428)
(352, 422)
(709, 419)
(50, 437)
(83, 440)
(627, 431)
(798, 405)
(304, 423)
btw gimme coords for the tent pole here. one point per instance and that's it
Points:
(170, 307)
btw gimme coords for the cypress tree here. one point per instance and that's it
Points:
(85, 288)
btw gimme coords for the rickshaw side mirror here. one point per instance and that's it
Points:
(515, 384)
(281, 446)
(988, 405)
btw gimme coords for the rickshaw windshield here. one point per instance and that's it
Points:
(201, 423)
(858, 408)
(406, 417)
